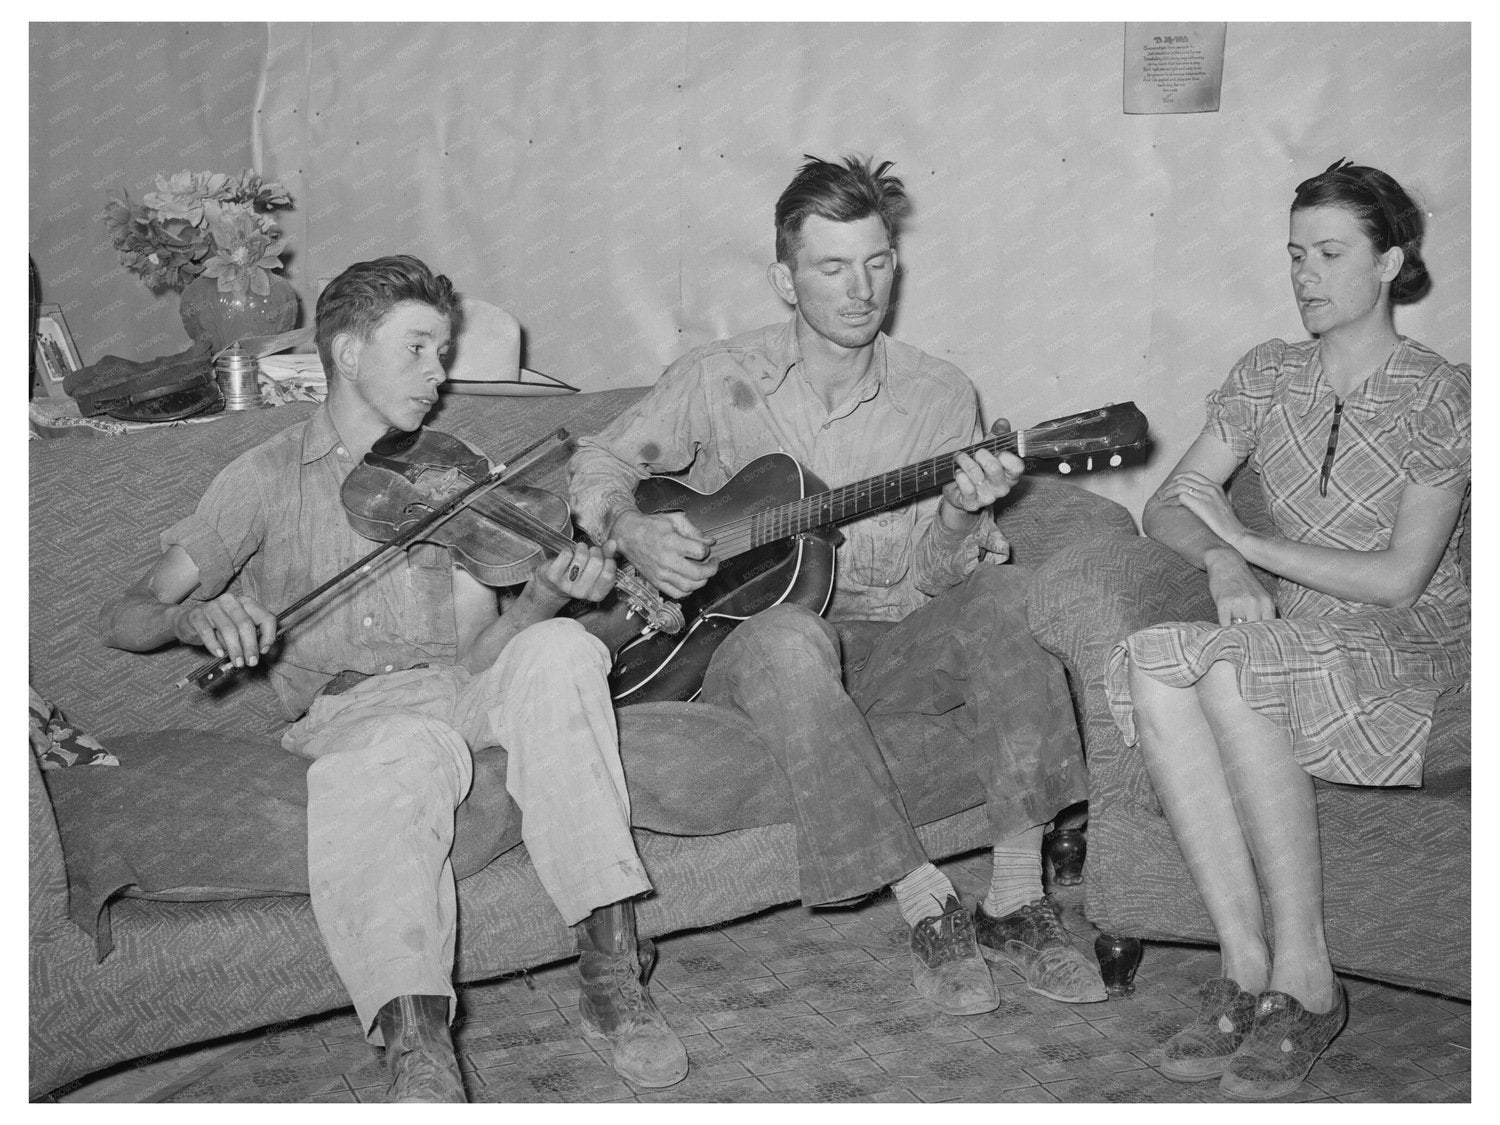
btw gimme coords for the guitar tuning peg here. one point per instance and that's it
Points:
(1064, 468)
(1114, 460)
(1089, 466)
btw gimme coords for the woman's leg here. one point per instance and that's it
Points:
(1276, 811)
(1183, 758)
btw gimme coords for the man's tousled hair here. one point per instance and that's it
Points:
(840, 193)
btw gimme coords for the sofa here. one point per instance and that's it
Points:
(1396, 862)
(184, 960)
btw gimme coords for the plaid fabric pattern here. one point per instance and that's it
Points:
(1353, 685)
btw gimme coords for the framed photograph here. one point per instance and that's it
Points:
(56, 354)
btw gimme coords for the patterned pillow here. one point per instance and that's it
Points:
(57, 743)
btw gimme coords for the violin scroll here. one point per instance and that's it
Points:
(660, 615)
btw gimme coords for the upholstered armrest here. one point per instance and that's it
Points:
(49, 879)
(1043, 515)
(58, 950)
(1083, 601)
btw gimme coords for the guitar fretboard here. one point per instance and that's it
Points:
(849, 502)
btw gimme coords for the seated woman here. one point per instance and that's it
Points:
(1361, 438)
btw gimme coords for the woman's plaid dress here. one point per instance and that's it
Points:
(1352, 684)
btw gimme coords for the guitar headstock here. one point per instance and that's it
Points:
(1107, 430)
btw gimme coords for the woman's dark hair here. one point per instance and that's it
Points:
(1384, 210)
(840, 193)
(357, 300)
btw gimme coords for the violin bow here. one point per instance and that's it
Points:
(214, 670)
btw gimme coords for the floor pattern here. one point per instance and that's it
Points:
(799, 1006)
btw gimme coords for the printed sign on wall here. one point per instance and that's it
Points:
(1173, 67)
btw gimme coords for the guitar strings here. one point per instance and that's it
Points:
(823, 509)
(742, 534)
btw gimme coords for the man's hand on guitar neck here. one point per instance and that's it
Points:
(667, 549)
(978, 481)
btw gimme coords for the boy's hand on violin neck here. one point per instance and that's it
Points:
(586, 572)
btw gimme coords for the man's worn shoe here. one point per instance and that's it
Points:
(1032, 941)
(1282, 1046)
(616, 1006)
(946, 966)
(419, 1050)
(1203, 1048)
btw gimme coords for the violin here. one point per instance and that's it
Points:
(429, 486)
(406, 477)
(499, 536)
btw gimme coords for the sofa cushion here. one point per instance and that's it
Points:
(205, 815)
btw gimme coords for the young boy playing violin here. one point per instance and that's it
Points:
(389, 685)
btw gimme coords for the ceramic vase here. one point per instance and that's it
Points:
(222, 317)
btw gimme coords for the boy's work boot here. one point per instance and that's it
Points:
(419, 1050)
(615, 1003)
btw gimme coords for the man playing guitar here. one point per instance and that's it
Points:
(918, 623)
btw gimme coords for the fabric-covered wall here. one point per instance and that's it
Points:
(612, 185)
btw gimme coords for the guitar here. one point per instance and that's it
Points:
(773, 529)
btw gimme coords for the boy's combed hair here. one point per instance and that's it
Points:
(840, 193)
(358, 299)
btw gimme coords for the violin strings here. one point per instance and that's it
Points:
(530, 527)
